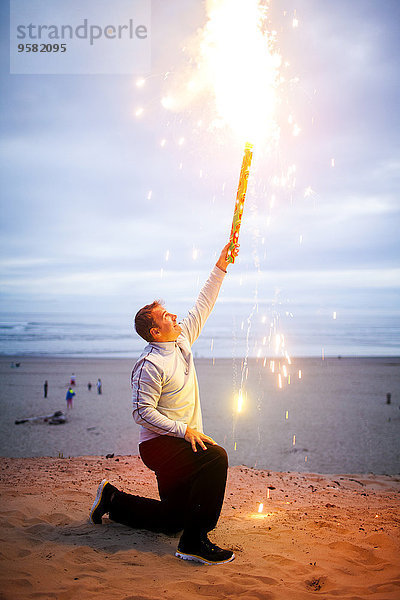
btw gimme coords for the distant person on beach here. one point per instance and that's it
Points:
(99, 387)
(89, 386)
(45, 388)
(72, 380)
(190, 467)
(69, 396)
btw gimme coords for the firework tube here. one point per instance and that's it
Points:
(240, 198)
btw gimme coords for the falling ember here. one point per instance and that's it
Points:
(294, 440)
(149, 194)
(261, 507)
(305, 458)
(332, 162)
(308, 192)
(167, 102)
(167, 255)
(239, 405)
(140, 82)
(139, 112)
(280, 381)
(300, 239)
(296, 130)
(212, 344)
(299, 373)
(334, 315)
(268, 494)
(235, 447)
(195, 253)
(163, 142)
(287, 414)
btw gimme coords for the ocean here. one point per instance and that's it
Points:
(230, 332)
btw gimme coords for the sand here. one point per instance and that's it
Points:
(332, 536)
(335, 536)
(336, 414)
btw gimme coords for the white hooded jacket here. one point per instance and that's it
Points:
(165, 392)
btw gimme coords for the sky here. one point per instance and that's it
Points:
(97, 216)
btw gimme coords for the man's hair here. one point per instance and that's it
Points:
(144, 320)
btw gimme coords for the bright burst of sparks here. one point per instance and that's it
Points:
(233, 44)
(237, 63)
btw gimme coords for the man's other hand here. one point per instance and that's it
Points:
(222, 262)
(195, 437)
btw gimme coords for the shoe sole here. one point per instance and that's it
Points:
(204, 561)
(97, 501)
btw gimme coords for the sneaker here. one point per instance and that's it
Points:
(101, 504)
(204, 552)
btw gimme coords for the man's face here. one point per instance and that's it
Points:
(167, 329)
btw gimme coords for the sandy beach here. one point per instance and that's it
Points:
(333, 420)
(331, 536)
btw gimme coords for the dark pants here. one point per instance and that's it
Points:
(191, 487)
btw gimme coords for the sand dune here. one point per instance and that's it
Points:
(334, 535)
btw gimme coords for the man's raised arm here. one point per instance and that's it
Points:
(198, 315)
